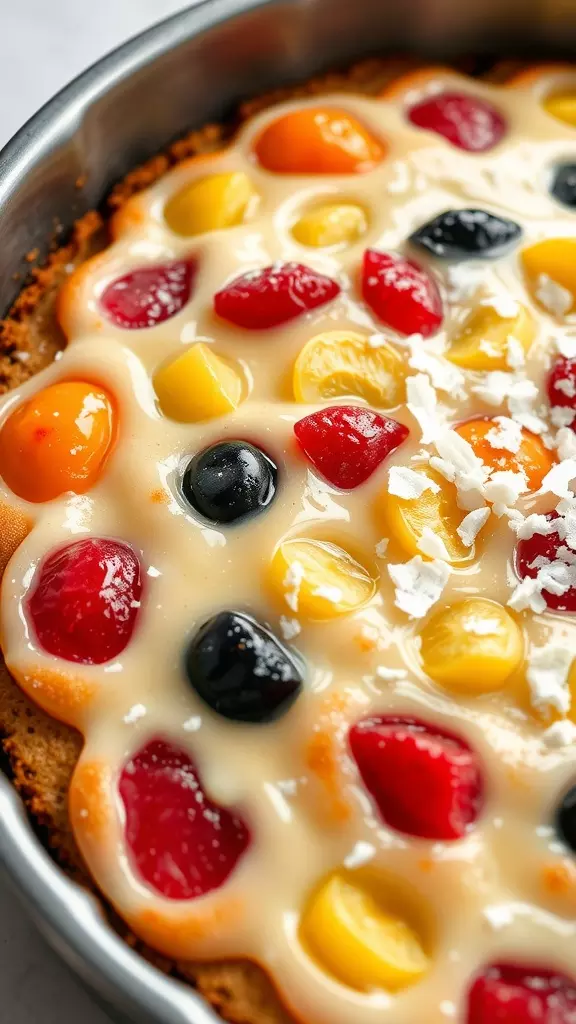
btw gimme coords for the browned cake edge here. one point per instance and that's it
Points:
(41, 753)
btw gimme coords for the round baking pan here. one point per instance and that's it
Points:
(180, 74)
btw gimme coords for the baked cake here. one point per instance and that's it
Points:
(287, 462)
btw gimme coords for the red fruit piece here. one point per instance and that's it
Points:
(506, 994)
(272, 296)
(184, 845)
(426, 782)
(401, 293)
(346, 443)
(562, 384)
(468, 122)
(537, 552)
(85, 600)
(149, 295)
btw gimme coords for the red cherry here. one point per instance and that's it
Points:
(85, 600)
(346, 443)
(536, 549)
(562, 384)
(468, 122)
(506, 994)
(184, 845)
(149, 295)
(272, 296)
(401, 294)
(426, 782)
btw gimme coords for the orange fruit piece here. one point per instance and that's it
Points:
(318, 140)
(532, 457)
(57, 441)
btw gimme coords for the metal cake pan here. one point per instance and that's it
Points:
(190, 69)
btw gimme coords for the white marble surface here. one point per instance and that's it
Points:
(45, 44)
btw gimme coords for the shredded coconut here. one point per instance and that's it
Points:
(515, 354)
(528, 594)
(558, 478)
(289, 627)
(444, 375)
(418, 584)
(472, 524)
(547, 675)
(507, 434)
(429, 543)
(504, 305)
(560, 734)
(421, 401)
(556, 299)
(533, 524)
(505, 487)
(136, 712)
(408, 483)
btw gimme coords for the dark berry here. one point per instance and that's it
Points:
(229, 481)
(468, 122)
(347, 443)
(566, 819)
(465, 234)
(272, 296)
(563, 186)
(241, 670)
(183, 844)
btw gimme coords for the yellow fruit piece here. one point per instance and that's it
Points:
(563, 106)
(219, 201)
(472, 646)
(197, 385)
(340, 364)
(407, 518)
(331, 224)
(483, 341)
(360, 942)
(553, 260)
(319, 580)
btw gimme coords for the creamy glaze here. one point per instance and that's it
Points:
(194, 571)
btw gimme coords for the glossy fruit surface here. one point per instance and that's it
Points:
(318, 140)
(401, 759)
(347, 443)
(183, 844)
(532, 457)
(538, 551)
(85, 600)
(198, 385)
(274, 295)
(550, 268)
(563, 185)
(241, 670)
(359, 940)
(215, 202)
(566, 819)
(482, 343)
(150, 295)
(318, 580)
(401, 293)
(562, 384)
(468, 122)
(436, 510)
(57, 440)
(343, 364)
(521, 994)
(562, 105)
(330, 225)
(229, 481)
(471, 646)
(467, 234)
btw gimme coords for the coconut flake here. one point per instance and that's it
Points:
(562, 415)
(418, 584)
(547, 675)
(382, 547)
(495, 387)
(289, 627)
(558, 478)
(556, 299)
(430, 544)
(421, 401)
(408, 483)
(566, 443)
(515, 354)
(533, 524)
(503, 304)
(444, 375)
(528, 594)
(505, 435)
(472, 524)
(560, 734)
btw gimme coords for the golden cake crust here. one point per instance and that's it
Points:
(42, 753)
